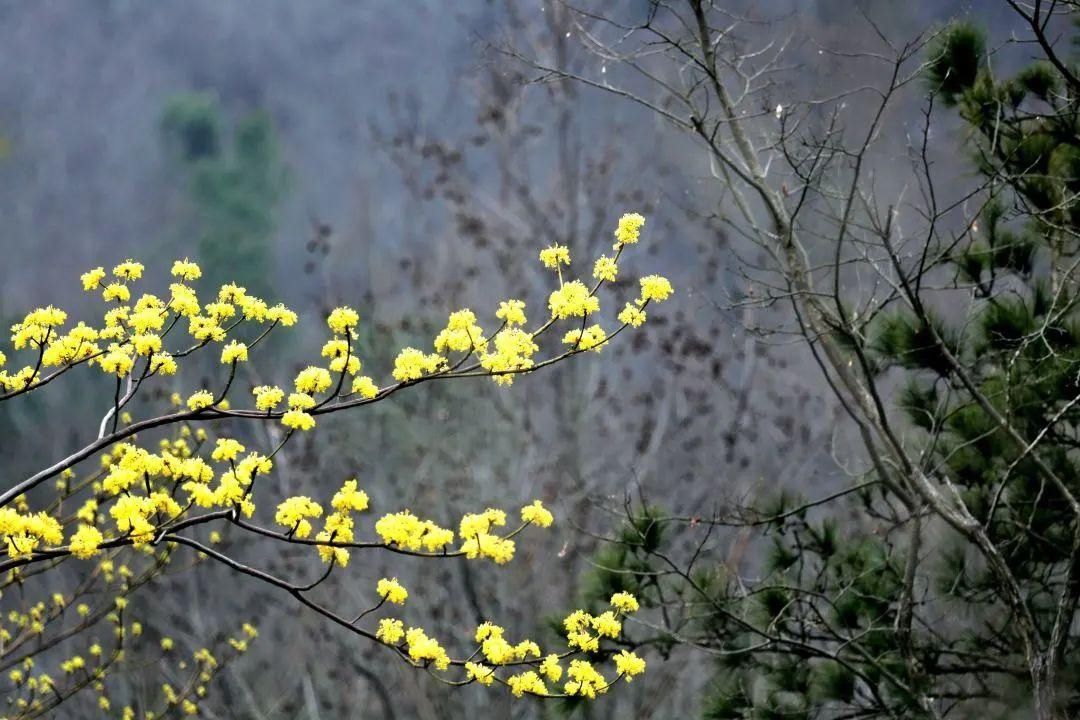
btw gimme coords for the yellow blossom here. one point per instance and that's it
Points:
(298, 420)
(555, 255)
(183, 300)
(486, 630)
(537, 514)
(628, 664)
(592, 338)
(526, 682)
(632, 315)
(410, 532)
(501, 550)
(577, 620)
(85, 542)
(281, 315)
(583, 679)
(655, 287)
(348, 498)
(512, 312)
(624, 602)
(583, 641)
(606, 625)
(235, 351)
(573, 299)
(480, 673)
(268, 397)
(629, 229)
(497, 650)
(301, 401)
(390, 631)
(128, 270)
(342, 319)
(473, 524)
(551, 669)
(365, 387)
(461, 334)
(312, 379)
(162, 364)
(514, 349)
(226, 449)
(131, 514)
(293, 513)
(200, 399)
(232, 293)
(253, 308)
(202, 327)
(186, 270)
(412, 364)
(92, 278)
(116, 361)
(392, 591)
(424, 648)
(146, 344)
(605, 268)
(219, 311)
(116, 291)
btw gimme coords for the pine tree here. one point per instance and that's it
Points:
(235, 185)
(862, 606)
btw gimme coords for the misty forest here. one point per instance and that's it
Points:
(540, 359)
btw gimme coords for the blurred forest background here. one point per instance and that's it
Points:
(384, 155)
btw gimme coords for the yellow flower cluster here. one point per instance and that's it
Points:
(632, 315)
(533, 669)
(629, 229)
(478, 541)
(624, 602)
(132, 338)
(498, 651)
(125, 471)
(343, 319)
(233, 352)
(268, 397)
(573, 299)
(511, 312)
(365, 387)
(405, 530)
(145, 497)
(605, 269)
(348, 498)
(312, 380)
(86, 541)
(554, 256)
(24, 532)
(655, 287)
(390, 631)
(423, 649)
(537, 514)
(131, 331)
(200, 399)
(413, 364)
(293, 513)
(591, 338)
(461, 334)
(514, 349)
(392, 591)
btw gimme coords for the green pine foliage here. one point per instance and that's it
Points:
(832, 577)
(236, 183)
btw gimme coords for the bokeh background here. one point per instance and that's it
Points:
(386, 156)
